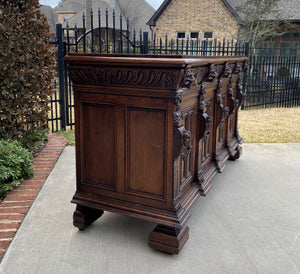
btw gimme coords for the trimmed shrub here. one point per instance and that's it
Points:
(26, 69)
(15, 165)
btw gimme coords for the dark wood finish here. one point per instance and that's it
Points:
(167, 239)
(151, 133)
(84, 216)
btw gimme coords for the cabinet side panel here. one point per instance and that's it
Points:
(146, 142)
(99, 155)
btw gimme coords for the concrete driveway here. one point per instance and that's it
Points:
(248, 223)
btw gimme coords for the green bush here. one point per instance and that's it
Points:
(283, 72)
(26, 69)
(15, 165)
(34, 139)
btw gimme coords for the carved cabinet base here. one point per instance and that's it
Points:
(151, 133)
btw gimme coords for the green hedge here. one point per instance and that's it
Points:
(15, 165)
(27, 67)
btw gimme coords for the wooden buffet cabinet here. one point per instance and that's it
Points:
(151, 133)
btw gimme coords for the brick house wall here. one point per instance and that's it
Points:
(63, 16)
(196, 16)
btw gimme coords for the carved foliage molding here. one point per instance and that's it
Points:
(240, 94)
(182, 137)
(202, 98)
(187, 143)
(205, 121)
(222, 111)
(182, 142)
(110, 76)
(233, 102)
(177, 115)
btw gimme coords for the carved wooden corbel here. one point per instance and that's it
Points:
(212, 73)
(238, 69)
(227, 70)
(189, 78)
(200, 74)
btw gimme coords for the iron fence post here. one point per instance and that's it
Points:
(245, 72)
(60, 71)
(145, 47)
(204, 48)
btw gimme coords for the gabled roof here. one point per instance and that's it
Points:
(50, 15)
(289, 8)
(77, 19)
(70, 5)
(137, 11)
(166, 3)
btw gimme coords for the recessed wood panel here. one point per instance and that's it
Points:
(99, 155)
(146, 152)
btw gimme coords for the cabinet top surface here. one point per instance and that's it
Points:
(176, 61)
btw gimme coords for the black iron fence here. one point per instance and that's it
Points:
(273, 78)
(196, 47)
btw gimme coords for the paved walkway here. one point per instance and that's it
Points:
(248, 223)
(17, 203)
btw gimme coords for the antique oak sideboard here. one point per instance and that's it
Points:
(151, 132)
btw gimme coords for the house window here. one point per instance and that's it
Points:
(66, 18)
(208, 35)
(194, 35)
(290, 35)
(288, 48)
(180, 35)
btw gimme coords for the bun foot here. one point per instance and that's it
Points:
(237, 155)
(84, 216)
(167, 239)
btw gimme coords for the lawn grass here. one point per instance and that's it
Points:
(69, 135)
(271, 125)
